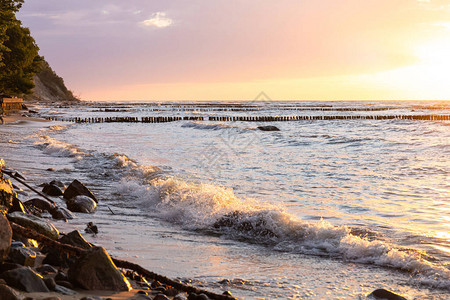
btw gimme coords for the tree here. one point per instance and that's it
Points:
(19, 59)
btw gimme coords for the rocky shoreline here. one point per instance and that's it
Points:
(39, 262)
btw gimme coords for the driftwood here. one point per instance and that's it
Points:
(73, 250)
(28, 186)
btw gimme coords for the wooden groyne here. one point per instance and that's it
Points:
(160, 119)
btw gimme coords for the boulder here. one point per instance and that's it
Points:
(39, 225)
(58, 184)
(386, 294)
(95, 270)
(17, 205)
(46, 269)
(75, 238)
(7, 293)
(83, 204)
(25, 279)
(76, 188)
(268, 128)
(5, 237)
(41, 204)
(52, 190)
(61, 213)
(6, 191)
(22, 255)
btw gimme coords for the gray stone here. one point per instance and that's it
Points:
(268, 128)
(64, 290)
(180, 297)
(76, 188)
(61, 213)
(23, 256)
(8, 293)
(47, 269)
(58, 184)
(386, 294)
(25, 279)
(83, 204)
(17, 205)
(5, 237)
(42, 204)
(39, 225)
(50, 283)
(95, 270)
(52, 190)
(161, 297)
(75, 238)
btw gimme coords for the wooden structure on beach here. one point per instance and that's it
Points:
(10, 104)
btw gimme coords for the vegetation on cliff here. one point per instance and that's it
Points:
(23, 72)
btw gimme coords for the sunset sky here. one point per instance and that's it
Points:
(233, 50)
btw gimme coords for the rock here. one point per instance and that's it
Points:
(39, 225)
(161, 297)
(17, 205)
(50, 283)
(386, 294)
(227, 293)
(65, 284)
(58, 184)
(52, 190)
(64, 290)
(75, 238)
(52, 298)
(61, 213)
(6, 191)
(25, 279)
(95, 270)
(180, 297)
(61, 276)
(46, 269)
(42, 204)
(76, 188)
(5, 237)
(7, 293)
(268, 128)
(23, 256)
(6, 266)
(91, 228)
(82, 204)
(171, 292)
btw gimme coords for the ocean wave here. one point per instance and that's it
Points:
(58, 148)
(58, 127)
(216, 210)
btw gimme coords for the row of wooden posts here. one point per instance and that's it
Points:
(248, 118)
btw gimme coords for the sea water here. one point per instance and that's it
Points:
(328, 209)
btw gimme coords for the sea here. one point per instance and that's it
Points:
(324, 208)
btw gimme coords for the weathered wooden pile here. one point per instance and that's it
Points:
(160, 119)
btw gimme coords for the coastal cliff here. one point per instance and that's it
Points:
(49, 87)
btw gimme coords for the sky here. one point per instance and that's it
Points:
(141, 50)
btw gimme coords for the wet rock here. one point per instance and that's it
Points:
(52, 298)
(6, 191)
(76, 188)
(50, 283)
(22, 255)
(58, 184)
(95, 270)
(46, 269)
(25, 279)
(52, 190)
(61, 213)
(268, 128)
(8, 293)
(227, 293)
(6, 266)
(83, 204)
(161, 297)
(65, 284)
(386, 294)
(91, 228)
(61, 276)
(41, 204)
(75, 238)
(180, 297)
(5, 237)
(39, 225)
(17, 205)
(197, 297)
(171, 292)
(64, 290)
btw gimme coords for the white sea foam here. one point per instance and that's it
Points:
(58, 148)
(211, 208)
(58, 127)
